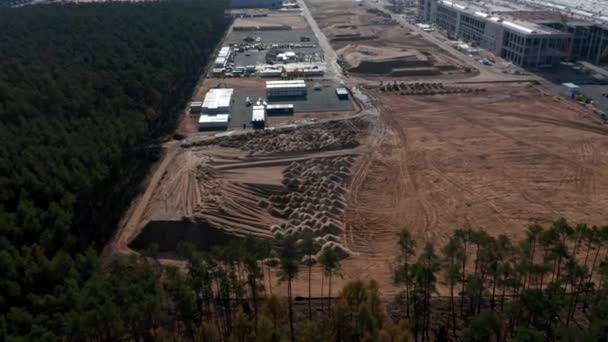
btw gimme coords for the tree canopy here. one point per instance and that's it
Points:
(84, 90)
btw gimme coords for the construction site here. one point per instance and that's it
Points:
(370, 43)
(432, 155)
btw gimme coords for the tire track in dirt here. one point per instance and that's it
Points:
(427, 217)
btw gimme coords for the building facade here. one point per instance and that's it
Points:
(526, 44)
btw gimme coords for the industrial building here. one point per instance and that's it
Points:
(342, 93)
(525, 43)
(222, 57)
(255, 3)
(196, 106)
(569, 90)
(295, 88)
(217, 101)
(532, 33)
(258, 117)
(277, 109)
(216, 121)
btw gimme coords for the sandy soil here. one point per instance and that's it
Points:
(354, 30)
(295, 20)
(498, 161)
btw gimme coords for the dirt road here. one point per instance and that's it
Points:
(334, 71)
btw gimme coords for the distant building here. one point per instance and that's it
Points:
(217, 121)
(526, 44)
(278, 109)
(295, 88)
(217, 101)
(222, 57)
(258, 117)
(196, 106)
(255, 3)
(569, 90)
(342, 93)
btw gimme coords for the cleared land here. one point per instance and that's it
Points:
(431, 157)
(263, 183)
(499, 160)
(371, 44)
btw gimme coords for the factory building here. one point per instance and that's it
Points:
(217, 101)
(255, 3)
(295, 88)
(215, 109)
(278, 109)
(524, 43)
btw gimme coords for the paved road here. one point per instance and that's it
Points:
(334, 71)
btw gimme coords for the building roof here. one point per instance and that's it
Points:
(284, 86)
(285, 82)
(224, 52)
(279, 106)
(570, 85)
(258, 113)
(341, 91)
(218, 98)
(218, 118)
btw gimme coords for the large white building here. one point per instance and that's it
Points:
(217, 101)
(216, 121)
(295, 88)
(524, 43)
(530, 33)
(222, 57)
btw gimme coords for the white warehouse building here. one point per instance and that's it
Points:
(216, 121)
(222, 57)
(295, 88)
(217, 101)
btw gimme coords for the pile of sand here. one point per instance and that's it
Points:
(314, 200)
(381, 60)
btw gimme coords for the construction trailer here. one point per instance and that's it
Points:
(258, 117)
(295, 88)
(279, 109)
(342, 93)
(196, 106)
(217, 101)
(222, 57)
(214, 121)
(569, 90)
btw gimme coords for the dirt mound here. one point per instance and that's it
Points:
(336, 33)
(264, 184)
(380, 60)
(332, 135)
(314, 200)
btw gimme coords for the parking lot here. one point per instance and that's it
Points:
(596, 93)
(316, 101)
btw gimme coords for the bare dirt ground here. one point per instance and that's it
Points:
(261, 183)
(357, 32)
(296, 21)
(498, 160)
